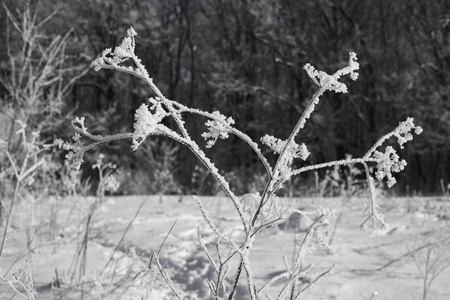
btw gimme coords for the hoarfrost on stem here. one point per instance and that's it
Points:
(217, 128)
(147, 122)
(255, 211)
(277, 145)
(330, 82)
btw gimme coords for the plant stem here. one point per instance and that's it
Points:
(8, 217)
(236, 280)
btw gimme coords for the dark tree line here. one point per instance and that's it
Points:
(245, 58)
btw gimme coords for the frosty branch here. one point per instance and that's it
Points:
(268, 209)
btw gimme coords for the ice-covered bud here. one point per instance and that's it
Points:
(351, 69)
(125, 49)
(76, 150)
(131, 32)
(287, 155)
(146, 122)
(144, 125)
(285, 170)
(99, 62)
(312, 72)
(388, 162)
(76, 158)
(120, 54)
(79, 123)
(302, 152)
(106, 52)
(277, 145)
(403, 131)
(217, 128)
(353, 65)
(273, 143)
(330, 82)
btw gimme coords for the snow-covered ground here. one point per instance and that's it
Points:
(122, 273)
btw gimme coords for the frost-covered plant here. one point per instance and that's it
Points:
(107, 183)
(107, 180)
(428, 246)
(429, 250)
(265, 208)
(21, 282)
(36, 77)
(23, 167)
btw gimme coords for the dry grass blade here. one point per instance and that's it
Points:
(123, 235)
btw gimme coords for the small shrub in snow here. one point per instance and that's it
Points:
(266, 208)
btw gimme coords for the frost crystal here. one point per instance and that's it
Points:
(79, 122)
(388, 162)
(131, 32)
(217, 128)
(287, 157)
(402, 132)
(125, 49)
(330, 82)
(277, 145)
(120, 54)
(76, 157)
(146, 122)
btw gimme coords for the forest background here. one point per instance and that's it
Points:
(245, 59)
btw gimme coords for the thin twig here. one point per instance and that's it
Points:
(314, 281)
(412, 252)
(166, 277)
(123, 234)
(162, 244)
(8, 217)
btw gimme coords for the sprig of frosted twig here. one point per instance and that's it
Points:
(147, 123)
(309, 285)
(166, 277)
(282, 169)
(214, 228)
(231, 129)
(22, 282)
(387, 162)
(24, 168)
